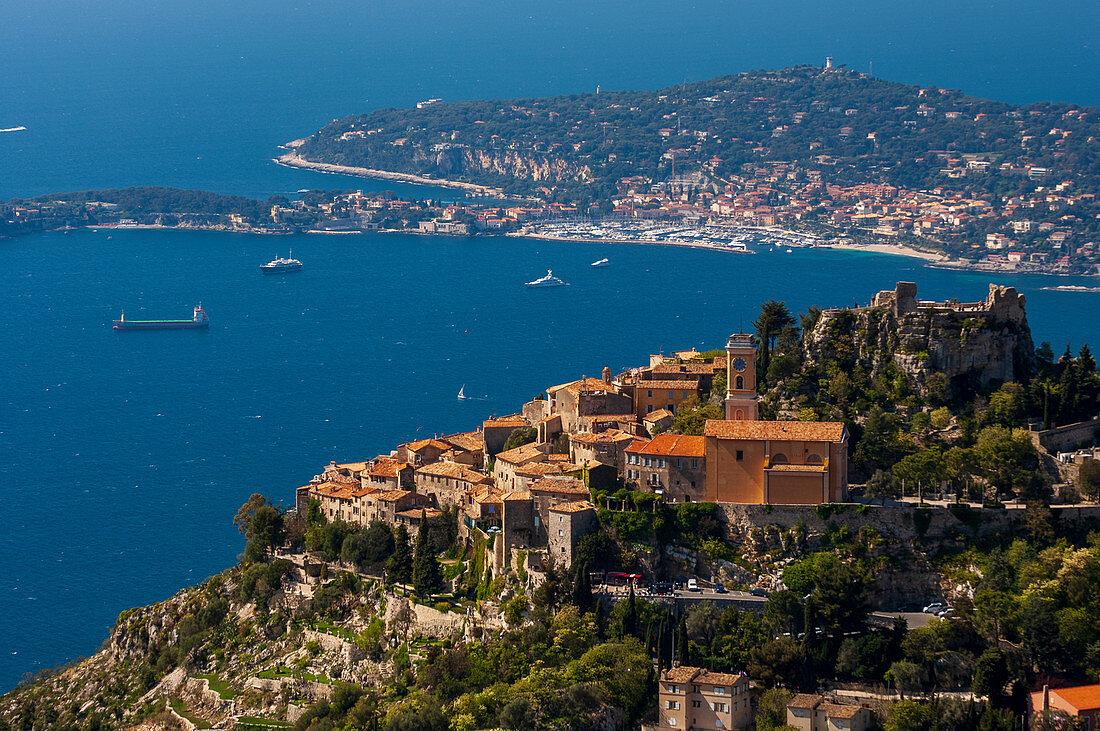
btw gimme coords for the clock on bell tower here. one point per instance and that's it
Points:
(741, 378)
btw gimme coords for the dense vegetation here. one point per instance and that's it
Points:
(581, 145)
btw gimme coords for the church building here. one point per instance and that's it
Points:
(772, 462)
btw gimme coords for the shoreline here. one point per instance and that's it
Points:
(894, 249)
(642, 242)
(293, 160)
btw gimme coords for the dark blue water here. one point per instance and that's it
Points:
(123, 456)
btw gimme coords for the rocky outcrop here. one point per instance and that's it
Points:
(508, 164)
(971, 343)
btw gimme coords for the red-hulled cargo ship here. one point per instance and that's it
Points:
(200, 319)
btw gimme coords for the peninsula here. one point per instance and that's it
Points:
(883, 514)
(832, 152)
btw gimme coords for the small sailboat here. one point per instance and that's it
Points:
(602, 263)
(462, 393)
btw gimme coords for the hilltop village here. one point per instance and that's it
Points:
(881, 516)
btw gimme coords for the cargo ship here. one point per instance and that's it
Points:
(199, 319)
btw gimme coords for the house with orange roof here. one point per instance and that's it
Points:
(448, 482)
(604, 447)
(672, 465)
(528, 474)
(495, 431)
(506, 463)
(668, 394)
(812, 712)
(657, 421)
(1057, 707)
(565, 525)
(586, 397)
(387, 473)
(695, 698)
(422, 452)
(776, 462)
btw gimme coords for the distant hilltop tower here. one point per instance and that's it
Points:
(828, 63)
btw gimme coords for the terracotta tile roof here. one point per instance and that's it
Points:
(609, 436)
(693, 368)
(578, 506)
(726, 679)
(669, 385)
(515, 497)
(805, 700)
(415, 513)
(352, 466)
(583, 384)
(599, 418)
(681, 674)
(1081, 697)
(559, 485)
(798, 431)
(832, 710)
(423, 443)
(391, 496)
(561, 459)
(540, 469)
(515, 420)
(452, 470)
(658, 414)
(471, 441)
(523, 454)
(670, 445)
(819, 468)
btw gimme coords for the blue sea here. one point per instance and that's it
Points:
(124, 455)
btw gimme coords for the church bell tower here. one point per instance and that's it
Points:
(741, 378)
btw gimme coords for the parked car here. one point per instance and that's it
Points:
(693, 585)
(945, 613)
(661, 587)
(719, 589)
(934, 607)
(759, 592)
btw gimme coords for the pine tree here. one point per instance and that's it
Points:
(427, 576)
(400, 562)
(630, 616)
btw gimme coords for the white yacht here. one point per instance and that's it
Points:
(602, 263)
(548, 281)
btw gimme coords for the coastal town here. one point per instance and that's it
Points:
(683, 544)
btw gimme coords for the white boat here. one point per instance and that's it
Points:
(789, 251)
(462, 393)
(548, 281)
(601, 263)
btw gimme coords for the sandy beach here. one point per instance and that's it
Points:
(895, 249)
(291, 159)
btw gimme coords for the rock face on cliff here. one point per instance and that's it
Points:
(971, 343)
(509, 164)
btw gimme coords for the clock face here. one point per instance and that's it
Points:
(739, 364)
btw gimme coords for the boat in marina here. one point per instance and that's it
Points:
(548, 281)
(199, 319)
(279, 265)
(601, 263)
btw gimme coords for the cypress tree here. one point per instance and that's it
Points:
(427, 576)
(683, 651)
(601, 619)
(630, 616)
(582, 589)
(400, 562)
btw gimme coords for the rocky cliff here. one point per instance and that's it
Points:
(971, 343)
(508, 164)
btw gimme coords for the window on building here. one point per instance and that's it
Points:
(813, 459)
(670, 394)
(672, 722)
(695, 704)
(673, 689)
(649, 393)
(649, 409)
(673, 705)
(740, 455)
(779, 458)
(694, 465)
(740, 383)
(719, 691)
(561, 532)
